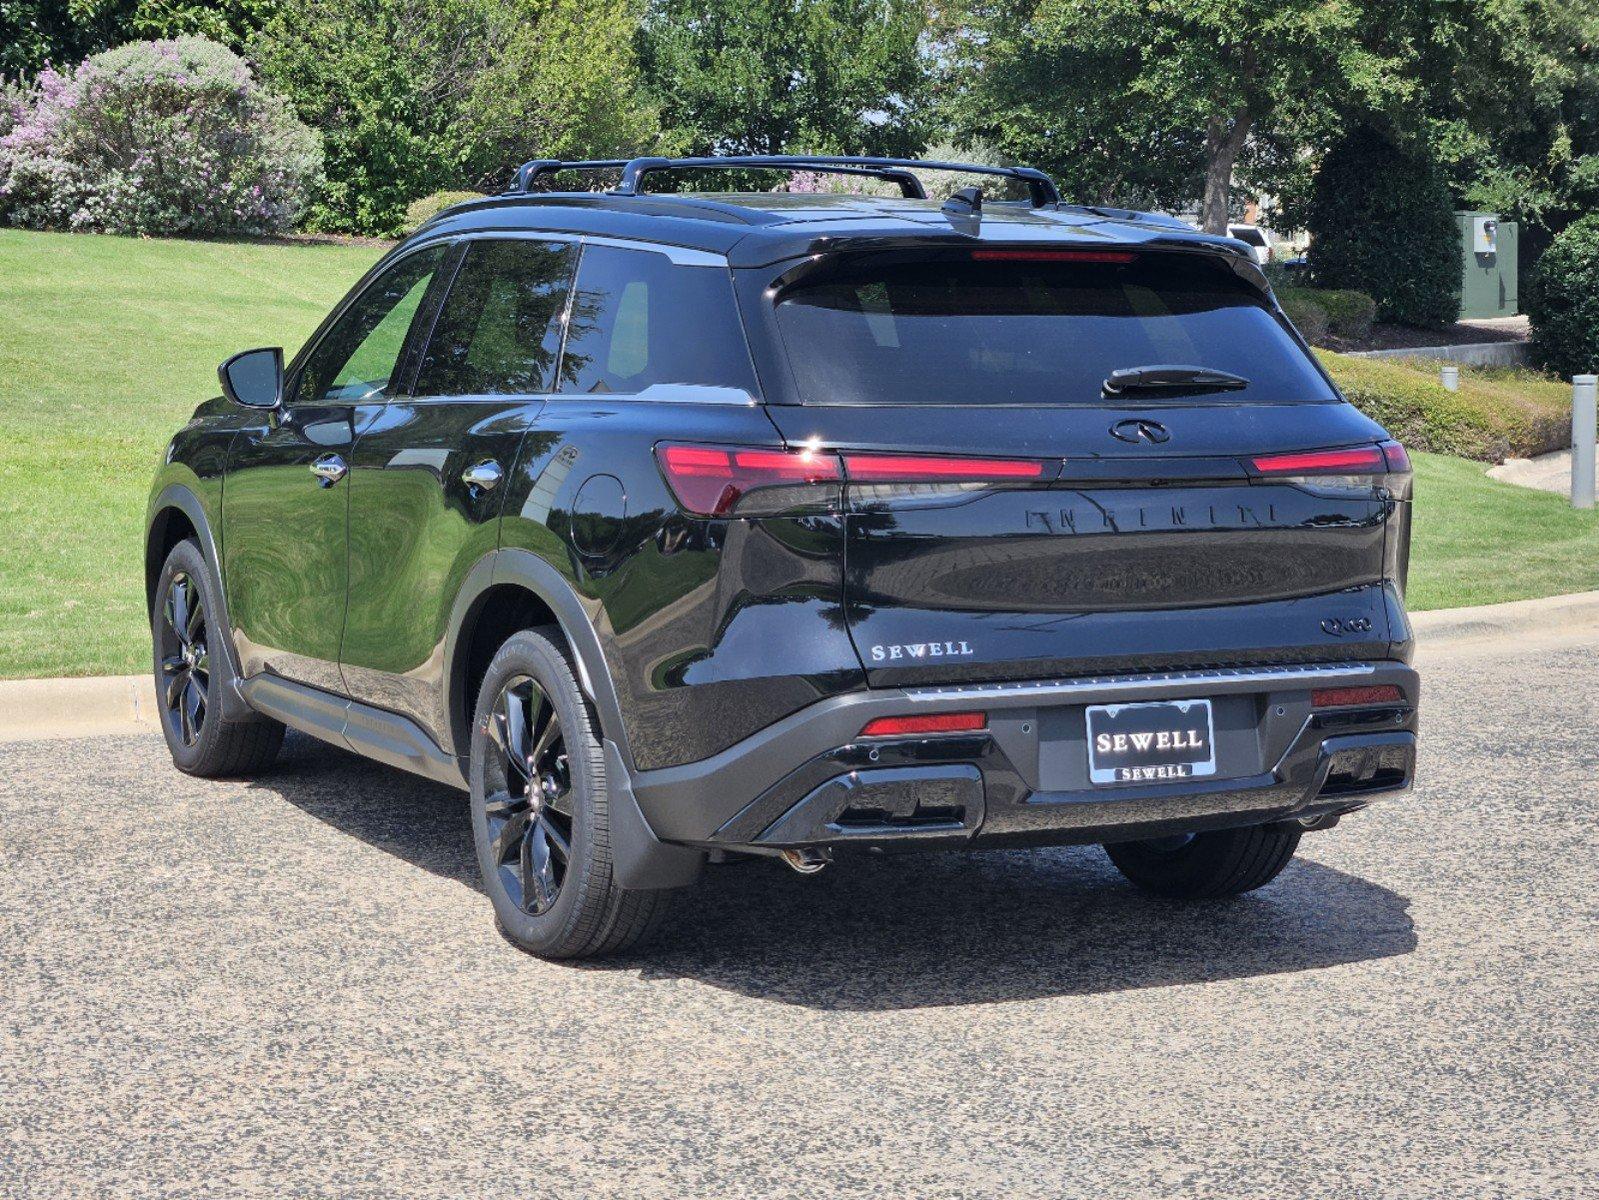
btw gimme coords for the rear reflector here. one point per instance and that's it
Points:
(937, 723)
(882, 468)
(1082, 256)
(1346, 696)
(1362, 460)
(709, 480)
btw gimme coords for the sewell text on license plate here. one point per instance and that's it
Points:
(1151, 742)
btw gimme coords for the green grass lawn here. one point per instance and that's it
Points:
(107, 344)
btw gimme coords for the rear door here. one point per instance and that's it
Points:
(1008, 519)
(429, 466)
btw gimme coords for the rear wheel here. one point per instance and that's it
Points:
(191, 669)
(541, 810)
(1202, 866)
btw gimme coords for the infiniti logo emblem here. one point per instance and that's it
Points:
(1139, 430)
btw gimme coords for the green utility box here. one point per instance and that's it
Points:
(1487, 266)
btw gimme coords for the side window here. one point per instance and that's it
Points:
(357, 359)
(500, 328)
(639, 319)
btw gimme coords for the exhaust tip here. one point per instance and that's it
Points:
(806, 862)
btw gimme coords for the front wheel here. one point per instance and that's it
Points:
(191, 671)
(1202, 866)
(541, 810)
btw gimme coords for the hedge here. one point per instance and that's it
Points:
(420, 212)
(1497, 413)
(1317, 312)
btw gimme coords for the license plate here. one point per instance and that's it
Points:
(1151, 743)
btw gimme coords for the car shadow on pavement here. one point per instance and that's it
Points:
(907, 931)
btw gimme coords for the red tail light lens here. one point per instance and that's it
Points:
(1362, 460)
(933, 723)
(709, 481)
(1398, 461)
(1081, 256)
(904, 468)
(1343, 697)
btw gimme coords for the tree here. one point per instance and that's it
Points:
(414, 96)
(1158, 96)
(36, 33)
(775, 76)
(1382, 222)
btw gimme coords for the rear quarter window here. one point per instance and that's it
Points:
(640, 321)
(957, 329)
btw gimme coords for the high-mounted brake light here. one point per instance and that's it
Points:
(902, 468)
(1344, 697)
(709, 481)
(933, 723)
(1362, 460)
(1081, 256)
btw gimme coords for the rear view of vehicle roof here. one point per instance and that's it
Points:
(755, 228)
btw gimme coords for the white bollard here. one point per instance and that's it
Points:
(1584, 389)
(1449, 376)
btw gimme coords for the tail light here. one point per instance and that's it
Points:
(1345, 697)
(909, 468)
(932, 723)
(1076, 256)
(725, 481)
(1360, 468)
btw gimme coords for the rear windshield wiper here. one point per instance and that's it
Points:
(1167, 375)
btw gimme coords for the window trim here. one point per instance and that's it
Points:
(679, 255)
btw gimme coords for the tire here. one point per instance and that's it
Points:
(543, 835)
(1206, 866)
(189, 679)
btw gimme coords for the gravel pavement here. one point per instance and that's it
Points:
(293, 987)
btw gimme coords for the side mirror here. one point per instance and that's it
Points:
(254, 378)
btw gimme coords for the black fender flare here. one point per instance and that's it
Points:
(182, 498)
(639, 858)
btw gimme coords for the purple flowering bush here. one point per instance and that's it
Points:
(157, 137)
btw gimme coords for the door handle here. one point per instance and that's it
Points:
(484, 476)
(329, 469)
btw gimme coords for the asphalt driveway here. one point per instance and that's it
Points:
(292, 987)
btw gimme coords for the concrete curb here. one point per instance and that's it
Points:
(1552, 614)
(42, 708)
(55, 708)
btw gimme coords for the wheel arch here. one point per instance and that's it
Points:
(506, 591)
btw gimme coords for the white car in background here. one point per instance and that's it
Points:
(1259, 241)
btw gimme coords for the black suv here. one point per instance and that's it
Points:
(683, 527)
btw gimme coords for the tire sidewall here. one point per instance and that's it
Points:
(532, 654)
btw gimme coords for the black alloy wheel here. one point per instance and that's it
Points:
(529, 801)
(185, 682)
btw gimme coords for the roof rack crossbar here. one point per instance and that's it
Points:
(1040, 186)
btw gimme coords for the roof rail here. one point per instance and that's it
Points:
(1040, 186)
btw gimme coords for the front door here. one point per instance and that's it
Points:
(285, 507)
(429, 469)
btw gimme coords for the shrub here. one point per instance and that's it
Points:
(1496, 413)
(1308, 316)
(420, 212)
(1382, 222)
(1349, 313)
(1562, 301)
(155, 138)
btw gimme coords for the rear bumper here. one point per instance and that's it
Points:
(811, 781)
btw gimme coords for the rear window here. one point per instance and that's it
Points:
(962, 330)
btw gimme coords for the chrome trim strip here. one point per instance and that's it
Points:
(681, 255)
(1051, 689)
